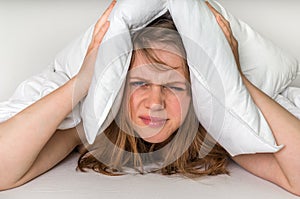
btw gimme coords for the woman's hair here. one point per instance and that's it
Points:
(189, 151)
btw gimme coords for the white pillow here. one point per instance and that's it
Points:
(221, 101)
(266, 65)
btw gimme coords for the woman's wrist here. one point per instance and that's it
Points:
(246, 82)
(80, 88)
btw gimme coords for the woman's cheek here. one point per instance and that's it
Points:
(133, 103)
(183, 107)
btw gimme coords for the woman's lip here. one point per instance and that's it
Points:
(154, 122)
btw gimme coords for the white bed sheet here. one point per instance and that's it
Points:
(64, 182)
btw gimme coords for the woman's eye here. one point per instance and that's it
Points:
(138, 84)
(175, 88)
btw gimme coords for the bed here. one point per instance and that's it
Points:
(32, 32)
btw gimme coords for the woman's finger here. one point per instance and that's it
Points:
(226, 30)
(218, 15)
(104, 17)
(97, 38)
(223, 23)
(101, 27)
(214, 11)
(99, 35)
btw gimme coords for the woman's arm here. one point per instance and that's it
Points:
(24, 136)
(283, 167)
(55, 150)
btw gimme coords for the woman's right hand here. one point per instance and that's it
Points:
(84, 76)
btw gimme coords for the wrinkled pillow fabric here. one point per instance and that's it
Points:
(266, 65)
(33, 89)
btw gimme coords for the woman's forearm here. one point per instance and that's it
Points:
(23, 136)
(286, 130)
(57, 148)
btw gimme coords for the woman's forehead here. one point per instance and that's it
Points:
(161, 60)
(152, 74)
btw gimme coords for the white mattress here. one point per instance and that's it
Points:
(64, 182)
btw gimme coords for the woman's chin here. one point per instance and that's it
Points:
(155, 139)
(153, 135)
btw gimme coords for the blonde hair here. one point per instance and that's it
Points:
(189, 151)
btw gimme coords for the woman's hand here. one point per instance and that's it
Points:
(225, 26)
(84, 76)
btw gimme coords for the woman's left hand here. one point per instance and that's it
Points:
(225, 26)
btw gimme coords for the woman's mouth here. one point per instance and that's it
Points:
(153, 122)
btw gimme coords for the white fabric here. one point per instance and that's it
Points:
(293, 94)
(33, 89)
(289, 103)
(242, 120)
(63, 182)
(266, 65)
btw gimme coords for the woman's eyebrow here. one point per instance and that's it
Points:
(146, 80)
(139, 78)
(176, 82)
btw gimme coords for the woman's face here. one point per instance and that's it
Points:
(158, 98)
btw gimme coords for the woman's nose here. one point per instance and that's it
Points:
(155, 99)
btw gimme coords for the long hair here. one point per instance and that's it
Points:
(188, 151)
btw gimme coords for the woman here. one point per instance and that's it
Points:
(44, 150)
